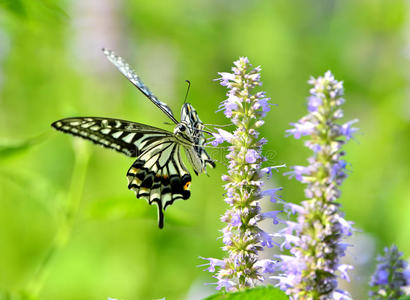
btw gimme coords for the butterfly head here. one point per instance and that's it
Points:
(183, 129)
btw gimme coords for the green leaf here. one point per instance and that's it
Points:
(259, 293)
(405, 298)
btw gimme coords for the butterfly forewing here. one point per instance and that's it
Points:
(132, 76)
(126, 137)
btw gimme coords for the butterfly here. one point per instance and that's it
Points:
(158, 174)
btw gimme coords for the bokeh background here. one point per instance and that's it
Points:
(51, 67)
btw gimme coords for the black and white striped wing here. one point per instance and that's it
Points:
(158, 175)
(126, 137)
(132, 76)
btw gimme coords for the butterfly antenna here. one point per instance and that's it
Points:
(187, 91)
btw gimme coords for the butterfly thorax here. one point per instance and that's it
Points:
(185, 135)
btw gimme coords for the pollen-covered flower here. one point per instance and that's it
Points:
(391, 275)
(315, 239)
(242, 237)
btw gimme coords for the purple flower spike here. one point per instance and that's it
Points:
(242, 237)
(391, 276)
(316, 239)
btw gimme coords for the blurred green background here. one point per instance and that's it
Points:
(51, 67)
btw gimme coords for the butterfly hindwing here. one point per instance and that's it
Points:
(159, 176)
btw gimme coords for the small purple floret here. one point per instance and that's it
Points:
(273, 194)
(251, 156)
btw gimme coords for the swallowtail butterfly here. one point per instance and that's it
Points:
(158, 174)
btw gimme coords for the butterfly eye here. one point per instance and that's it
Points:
(182, 127)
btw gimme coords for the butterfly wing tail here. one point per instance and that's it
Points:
(158, 186)
(160, 218)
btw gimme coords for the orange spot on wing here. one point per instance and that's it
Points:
(186, 186)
